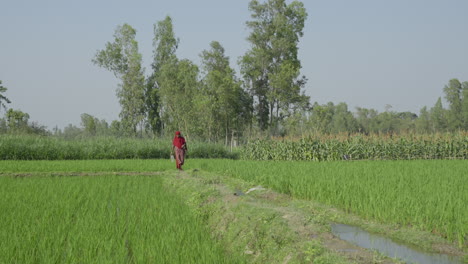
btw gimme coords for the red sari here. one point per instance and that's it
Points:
(179, 146)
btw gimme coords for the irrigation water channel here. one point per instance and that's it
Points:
(389, 248)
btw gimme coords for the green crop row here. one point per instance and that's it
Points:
(26, 147)
(317, 148)
(427, 195)
(100, 219)
(450, 146)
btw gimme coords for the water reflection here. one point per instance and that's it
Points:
(389, 248)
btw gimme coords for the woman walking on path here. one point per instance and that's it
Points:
(179, 147)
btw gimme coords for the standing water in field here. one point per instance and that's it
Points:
(389, 248)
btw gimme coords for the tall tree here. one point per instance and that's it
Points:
(165, 45)
(321, 117)
(3, 125)
(88, 122)
(102, 127)
(453, 96)
(223, 92)
(343, 120)
(423, 123)
(116, 129)
(17, 120)
(367, 121)
(178, 86)
(438, 117)
(3, 99)
(271, 67)
(123, 59)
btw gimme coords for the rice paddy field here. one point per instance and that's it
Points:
(426, 195)
(100, 219)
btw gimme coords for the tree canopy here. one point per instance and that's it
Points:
(123, 59)
(271, 68)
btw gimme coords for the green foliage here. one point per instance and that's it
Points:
(455, 117)
(313, 249)
(88, 123)
(423, 123)
(271, 67)
(358, 147)
(165, 45)
(221, 98)
(123, 59)
(101, 219)
(24, 147)
(439, 117)
(332, 118)
(17, 120)
(178, 86)
(453, 93)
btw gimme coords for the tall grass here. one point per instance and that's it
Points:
(28, 147)
(316, 148)
(102, 219)
(358, 147)
(428, 195)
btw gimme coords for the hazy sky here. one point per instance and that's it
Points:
(367, 53)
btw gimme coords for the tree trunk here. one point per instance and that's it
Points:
(226, 131)
(272, 106)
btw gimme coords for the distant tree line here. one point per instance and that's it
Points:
(328, 118)
(210, 102)
(333, 118)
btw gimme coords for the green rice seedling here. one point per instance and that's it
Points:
(100, 219)
(84, 166)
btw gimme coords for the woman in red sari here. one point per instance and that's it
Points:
(179, 147)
